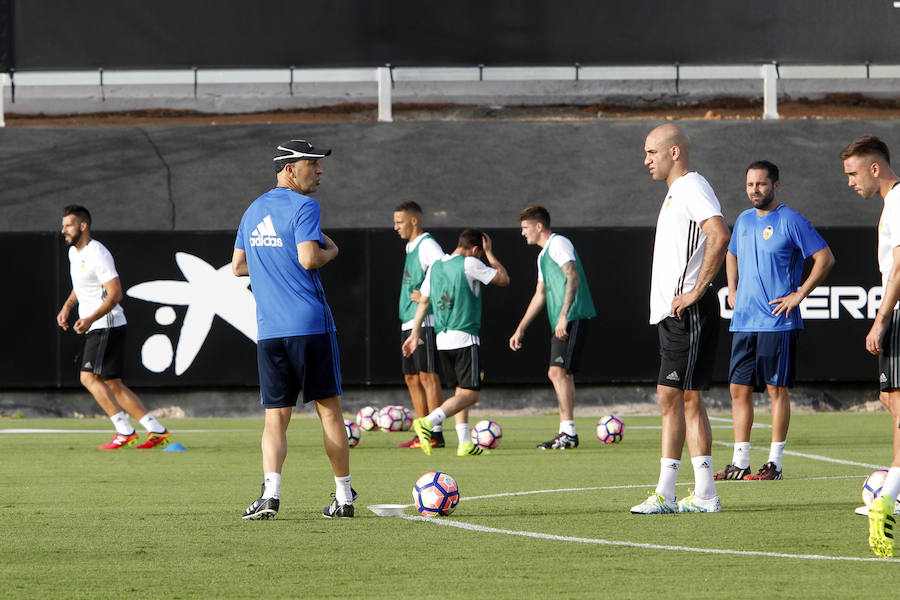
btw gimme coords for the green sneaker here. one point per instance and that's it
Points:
(470, 449)
(881, 526)
(423, 428)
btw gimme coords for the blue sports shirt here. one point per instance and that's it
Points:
(770, 251)
(290, 300)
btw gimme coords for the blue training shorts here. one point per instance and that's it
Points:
(763, 358)
(312, 362)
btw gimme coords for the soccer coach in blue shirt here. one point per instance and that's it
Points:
(280, 245)
(764, 264)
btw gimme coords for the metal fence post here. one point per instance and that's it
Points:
(383, 76)
(770, 91)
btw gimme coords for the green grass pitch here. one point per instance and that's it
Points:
(79, 523)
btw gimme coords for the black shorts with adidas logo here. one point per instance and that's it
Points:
(103, 352)
(687, 346)
(889, 359)
(567, 353)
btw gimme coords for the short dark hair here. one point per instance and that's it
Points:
(867, 145)
(764, 165)
(409, 207)
(536, 213)
(81, 212)
(470, 238)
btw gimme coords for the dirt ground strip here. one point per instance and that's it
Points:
(832, 106)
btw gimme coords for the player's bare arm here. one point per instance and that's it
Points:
(572, 281)
(717, 238)
(501, 279)
(889, 298)
(314, 256)
(114, 295)
(409, 345)
(239, 263)
(731, 272)
(534, 308)
(823, 260)
(62, 319)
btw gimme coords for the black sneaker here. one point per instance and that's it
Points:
(560, 442)
(437, 439)
(731, 472)
(768, 472)
(262, 508)
(344, 511)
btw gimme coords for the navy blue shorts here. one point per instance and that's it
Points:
(312, 362)
(763, 358)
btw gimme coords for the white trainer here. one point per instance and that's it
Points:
(656, 504)
(696, 504)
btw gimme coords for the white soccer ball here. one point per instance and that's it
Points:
(352, 432)
(435, 493)
(610, 429)
(367, 418)
(872, 487)
(392, 418)
(487, 434)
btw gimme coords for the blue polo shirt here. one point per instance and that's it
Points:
(770, 251)
(290, 300)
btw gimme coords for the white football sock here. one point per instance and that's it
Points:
(741, 456)
(463, 433)
(891, 485)
(151, 424)
(438, 428)
(704, 485)
(437, 416)
(668, 474)
(776, 452)
(272, 483)
(342, 491)
(567, 427)
(121, 423)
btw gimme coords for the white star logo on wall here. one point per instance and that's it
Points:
(207, 292)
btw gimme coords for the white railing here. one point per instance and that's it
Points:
(387, 77)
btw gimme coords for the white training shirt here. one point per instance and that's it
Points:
(477, 273)
(90, 268)
(561, 251)
(888, 233)
(429, 252)
(680, 243)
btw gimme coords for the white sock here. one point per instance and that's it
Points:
(151, 424)
(463, 433)
(342, 491)
(272, 482)
(567, 427)
(776, 452)
(704, 485)
(891, 485)
(438, 428)
(121, 423)
(437, 416)
(741, 456)
(668, 474)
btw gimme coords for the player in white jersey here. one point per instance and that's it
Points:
(867, 164)
(420, 371)
(97, 291)
(691, 239)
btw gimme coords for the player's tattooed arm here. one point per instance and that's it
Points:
(572, 283)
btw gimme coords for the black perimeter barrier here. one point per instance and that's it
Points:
(132, 34)
(186, 311)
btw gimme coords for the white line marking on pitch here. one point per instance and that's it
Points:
(22, 431)
(602, 542)
(580, 540)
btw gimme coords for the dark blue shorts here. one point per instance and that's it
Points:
(312, 362)
(763, 358)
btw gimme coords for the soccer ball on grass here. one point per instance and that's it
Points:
(367, 418)
(352, 432)
(610, 429)
(435, 493)
(487, 434)
(872, 487)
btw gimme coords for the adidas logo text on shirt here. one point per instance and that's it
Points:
(265, 235)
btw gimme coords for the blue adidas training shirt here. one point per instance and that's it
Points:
(770, 251)
(290, 300)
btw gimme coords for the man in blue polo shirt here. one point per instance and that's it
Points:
(764, 264)
(280, 245)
